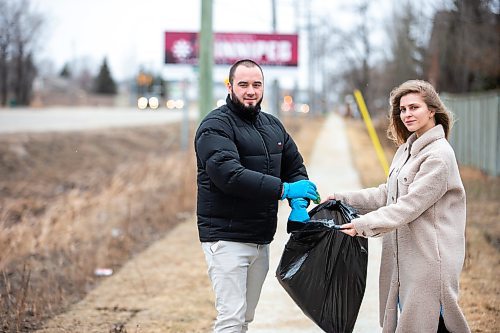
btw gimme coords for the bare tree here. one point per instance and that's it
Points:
(357, 49)
(351, 52)
(19, 28)
(406, 44)
(320, 53)
(5, 45)
(464, 49)
(363, 78)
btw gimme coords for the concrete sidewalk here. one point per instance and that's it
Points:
(331, 169)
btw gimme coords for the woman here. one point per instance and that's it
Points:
(420, 212)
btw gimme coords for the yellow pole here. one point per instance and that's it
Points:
(371, 131)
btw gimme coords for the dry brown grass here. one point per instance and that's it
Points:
(479, 283)
(304, 131)
(365, 159)
(480, 287)
(74, 202)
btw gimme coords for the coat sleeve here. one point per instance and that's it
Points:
(428, 186)
(218, 155)
(366, 200)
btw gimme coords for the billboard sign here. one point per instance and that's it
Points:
(265, 49)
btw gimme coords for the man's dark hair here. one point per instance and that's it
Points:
(244, 62)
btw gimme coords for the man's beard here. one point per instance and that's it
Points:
(251, 110)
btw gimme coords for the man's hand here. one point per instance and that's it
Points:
(299, 212)
(300, 189)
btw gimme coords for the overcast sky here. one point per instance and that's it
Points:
(131, 33)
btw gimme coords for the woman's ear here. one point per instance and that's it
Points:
(433, 113)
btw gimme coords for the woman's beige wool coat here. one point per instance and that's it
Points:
(420, 212)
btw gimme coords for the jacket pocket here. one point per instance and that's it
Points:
(403, 182)
(406, 178)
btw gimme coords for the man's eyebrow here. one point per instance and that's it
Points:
(246, 82)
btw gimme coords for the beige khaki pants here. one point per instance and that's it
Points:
(237, 271)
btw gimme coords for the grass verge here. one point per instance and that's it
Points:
(74, 202)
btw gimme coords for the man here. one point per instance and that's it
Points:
(246, 162)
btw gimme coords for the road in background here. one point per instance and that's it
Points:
(63, 119)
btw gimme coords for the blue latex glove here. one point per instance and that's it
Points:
(299, 203)
(299, 212)
(300, 189)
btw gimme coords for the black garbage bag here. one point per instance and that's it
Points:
(324, 270)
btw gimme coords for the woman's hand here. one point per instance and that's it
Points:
(349, 229)
(330, 197)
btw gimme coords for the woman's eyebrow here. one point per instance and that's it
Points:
(411, 104)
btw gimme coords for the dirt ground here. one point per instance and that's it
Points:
(71, 203)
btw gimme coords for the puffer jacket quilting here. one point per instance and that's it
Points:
(241, 166)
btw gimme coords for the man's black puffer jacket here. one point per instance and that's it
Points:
(242, 162)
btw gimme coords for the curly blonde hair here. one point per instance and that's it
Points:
(397, 131)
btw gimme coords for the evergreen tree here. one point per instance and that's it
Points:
(104, 83)
(65, 71)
